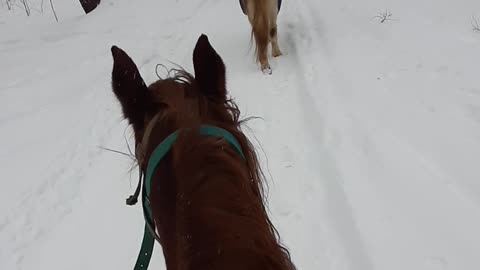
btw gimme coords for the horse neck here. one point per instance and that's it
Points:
(220, 221)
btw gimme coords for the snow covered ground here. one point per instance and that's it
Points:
(370, 134)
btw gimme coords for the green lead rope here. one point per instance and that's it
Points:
(149, 234)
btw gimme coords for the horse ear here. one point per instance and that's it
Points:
(129, 88)
(209, 69)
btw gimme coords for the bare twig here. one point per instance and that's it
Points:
(9, 4)
(53, 9)
(475, 25)
(384, 16)
(26, 6)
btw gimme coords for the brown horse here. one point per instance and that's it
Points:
(206, 198)
(262, 15)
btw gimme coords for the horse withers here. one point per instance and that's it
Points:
(262, 15)
(203, 186)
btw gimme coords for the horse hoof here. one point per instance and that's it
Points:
(267, 71)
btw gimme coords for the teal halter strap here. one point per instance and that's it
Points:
(158, 154)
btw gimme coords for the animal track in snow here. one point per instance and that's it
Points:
(287, 157)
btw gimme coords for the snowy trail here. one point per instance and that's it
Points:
(338, 219)
(369, 133)
(358, 140)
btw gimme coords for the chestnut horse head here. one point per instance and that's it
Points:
(205, 195)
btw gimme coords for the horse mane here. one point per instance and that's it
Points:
(231, 114)
(199, 162)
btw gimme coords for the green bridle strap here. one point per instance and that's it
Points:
(146, 250)
(158, 154)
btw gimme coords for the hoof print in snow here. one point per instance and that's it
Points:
(285, 213)
(287, 157)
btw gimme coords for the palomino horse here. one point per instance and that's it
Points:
(262, 15)
(202, 192)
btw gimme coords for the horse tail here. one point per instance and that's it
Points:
(260, 26)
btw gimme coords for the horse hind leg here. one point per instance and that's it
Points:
(275, 49)
(273, 32)
(260, 31)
